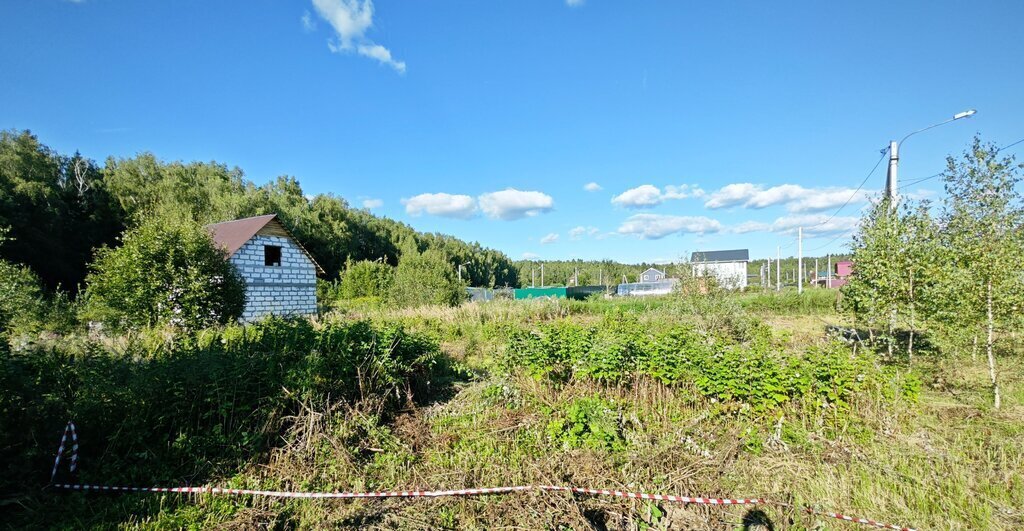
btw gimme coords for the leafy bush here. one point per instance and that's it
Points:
(366, 279)
(426, 278)
(20, 297)
(754, 376)
(200, 406)
(588, 423)
(166, 272)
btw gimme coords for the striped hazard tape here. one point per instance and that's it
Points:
(70, 430)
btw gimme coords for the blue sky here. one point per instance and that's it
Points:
(703, 125)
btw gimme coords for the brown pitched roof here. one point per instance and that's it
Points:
(232, 235)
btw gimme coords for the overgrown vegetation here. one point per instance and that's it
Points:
(800, 398)
(166, 272)
(958, 274)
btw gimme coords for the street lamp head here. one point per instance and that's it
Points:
(965, 114)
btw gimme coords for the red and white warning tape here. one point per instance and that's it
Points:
(407, 493)
(854, 519)
(69, 428)
(421, 493)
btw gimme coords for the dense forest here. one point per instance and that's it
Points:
(58, 209)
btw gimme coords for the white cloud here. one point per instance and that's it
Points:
(643, 196)
(383, 55)
(445, 205)
(813, 224)
(372, 203)
(647, 195)
(655, 226)
(592, 187)
(751, 226)
(308, 24)
(550, 238)
(530, 256)
(350, 20)
(574, 3)
(512, 204)
(577, 232)
(796, 198)
(683, 191)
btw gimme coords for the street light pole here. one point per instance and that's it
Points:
(892, 179)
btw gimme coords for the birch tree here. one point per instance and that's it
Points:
(983, 224)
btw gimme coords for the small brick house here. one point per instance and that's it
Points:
(280, 275)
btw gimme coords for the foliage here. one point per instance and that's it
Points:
(953, 274)
(20, 298)
(755, 376)
(57, 207)
(200, 405)
(60, 208)
(165, 272)
(426, 278)
(366, 279)
(590, 422)
(813, 301)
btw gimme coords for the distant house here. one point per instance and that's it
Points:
(842, 273)
(652, 275)
(728, 267)
(280, 275)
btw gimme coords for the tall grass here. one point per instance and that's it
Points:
(187, 409)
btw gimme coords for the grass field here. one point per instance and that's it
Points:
(741, 396)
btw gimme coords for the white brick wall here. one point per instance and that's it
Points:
(288, 289)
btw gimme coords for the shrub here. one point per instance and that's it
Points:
(426, 278)
(20, 298)
(588, 423)
(754, 376)
(365, 279)
(165, 272)
(199, 406)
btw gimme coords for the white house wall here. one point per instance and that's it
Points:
(732, 275)
(288, 289)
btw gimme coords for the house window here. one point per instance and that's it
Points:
(272, 255)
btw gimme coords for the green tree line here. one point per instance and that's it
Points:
(60, 209)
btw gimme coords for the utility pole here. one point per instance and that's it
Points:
(892, 181)
(815, 272)
(828, 274)
(891, 178)
(778, 268)
(542, 275)
(800, 259)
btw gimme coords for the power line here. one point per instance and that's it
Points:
(930, 177)
(911, 183)
(855, 192)
(847, 233)
(1009, 145)
(921, 180)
